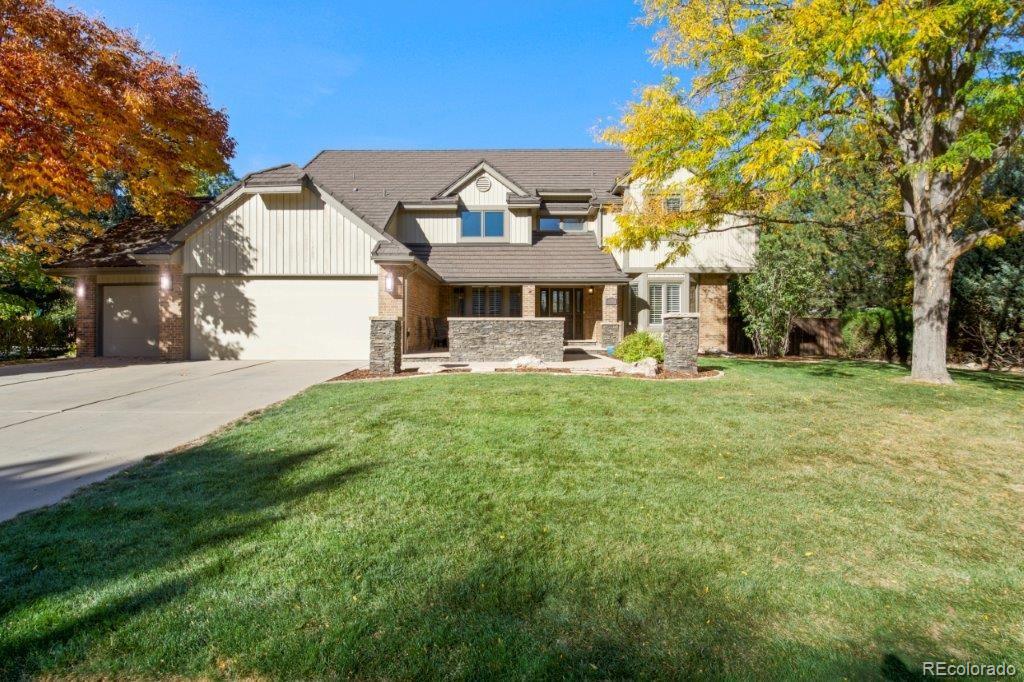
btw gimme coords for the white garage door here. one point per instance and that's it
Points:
(281, 319)
(130, 321)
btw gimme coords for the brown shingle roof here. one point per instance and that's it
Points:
(116, 246)
(372, 182)
(550, 259)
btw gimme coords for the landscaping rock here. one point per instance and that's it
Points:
(648, 367)
(431, 368)
(528, 362)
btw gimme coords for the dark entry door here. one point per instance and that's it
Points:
(567, 303)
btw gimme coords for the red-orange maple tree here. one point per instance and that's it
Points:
(80, 103)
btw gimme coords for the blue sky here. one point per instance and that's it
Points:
(296, 78)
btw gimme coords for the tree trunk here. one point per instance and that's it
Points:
(933, 275)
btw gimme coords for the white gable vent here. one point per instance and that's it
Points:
(483, 183)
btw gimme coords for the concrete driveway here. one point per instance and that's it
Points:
(67, 423)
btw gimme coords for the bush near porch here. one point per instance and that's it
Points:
(789, 520)
(639, 345)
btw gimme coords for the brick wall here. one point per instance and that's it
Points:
(423, 301)
(714, 312)
(85, 316)
(390, 304)
(171, 333)
(529, 300)
(416, 297)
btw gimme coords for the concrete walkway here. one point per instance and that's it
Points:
(67, 423)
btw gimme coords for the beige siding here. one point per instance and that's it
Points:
(437, 227)
(428, 227)
(280, 234)
(497, 195)
(729, 250)
(520, 226)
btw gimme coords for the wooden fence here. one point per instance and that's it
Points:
(810, 336)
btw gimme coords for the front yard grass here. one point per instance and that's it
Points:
(787, 520)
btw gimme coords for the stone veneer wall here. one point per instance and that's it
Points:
(385, 345)
(85, 316)
(500, 339)
(681, 337)
(714, 313)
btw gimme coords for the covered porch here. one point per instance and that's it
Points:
(500, 322)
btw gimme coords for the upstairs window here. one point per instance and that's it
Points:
(673, 204)
(483, 224)
(553, 224)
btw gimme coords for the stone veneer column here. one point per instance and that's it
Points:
(529, 300)
(385, 345)
(611, 327)
(681, 336)
(85, 316)
(171, 333)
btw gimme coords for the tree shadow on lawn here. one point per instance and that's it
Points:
(510, 616)
(839, 368)
(153, 518)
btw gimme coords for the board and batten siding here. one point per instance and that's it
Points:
(280, 234)
(442, 227)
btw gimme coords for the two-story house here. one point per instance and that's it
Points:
(293, 262)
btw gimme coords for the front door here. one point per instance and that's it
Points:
(567, 303)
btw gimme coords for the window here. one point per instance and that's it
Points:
(494, 302)
(476, 224)
(490, 302)
(673, 204)
(663, 298)
(515, 302)
(554, 224)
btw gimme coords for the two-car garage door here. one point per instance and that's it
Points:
(280, 318)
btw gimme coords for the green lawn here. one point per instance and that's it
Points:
(793, 520)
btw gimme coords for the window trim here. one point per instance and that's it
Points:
(644, 281)
(505, 224)
(580, 220)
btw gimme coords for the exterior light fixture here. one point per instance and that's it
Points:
(389, 283)
(80, 290)
(165, 281)
(590, 290)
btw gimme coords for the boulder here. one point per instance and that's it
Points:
(528, 362)
(647, 367)
(430, 368)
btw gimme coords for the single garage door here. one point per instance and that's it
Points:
(130, 321)
(281, 319)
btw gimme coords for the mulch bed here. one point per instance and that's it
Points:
(367, 375)
(535, 370)
(360, 374)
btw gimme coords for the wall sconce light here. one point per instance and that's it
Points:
(590, 290)
(389, 283)
(80, 290)
(165, 281)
